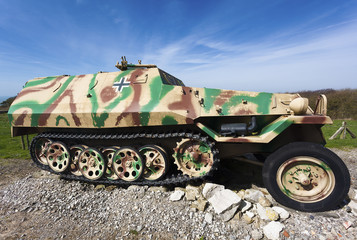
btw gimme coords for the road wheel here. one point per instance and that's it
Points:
(306, 176)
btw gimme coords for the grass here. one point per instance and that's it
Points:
(12, 148)
(347, 143)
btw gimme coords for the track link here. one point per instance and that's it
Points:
(172, 180)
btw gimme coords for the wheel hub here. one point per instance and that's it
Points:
(305, 179)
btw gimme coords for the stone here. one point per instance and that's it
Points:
(210, 189)
(283, 214)
(352, 194)
(224, 200)
(248, 217)
(200, 204)
(347, 224)
(241, 193)
(192, 193)
(177, 195)
(353, 206)
(286, 234)
(244, 206)
(209, 218)
(229, 214)
(271, 214)
(262, 212)
(134, 188)
(110, 188)
(99, 187)
(253, 195)
(272, 230)
(158, 189)
(264, 202)
(257, 235)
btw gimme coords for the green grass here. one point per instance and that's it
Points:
(12, 148)
(347, 143)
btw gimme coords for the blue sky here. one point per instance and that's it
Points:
(272, 46)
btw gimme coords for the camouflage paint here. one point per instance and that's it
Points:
(39, 82)
(155, 89)
(39, 109)
(61, 118)
(169, 120)
(146, 103)
(210, 96)
(262, 100)
(277, 127)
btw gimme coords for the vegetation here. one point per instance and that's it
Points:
(11, 147)
(4, 105)
(347, 143)
(341, 104)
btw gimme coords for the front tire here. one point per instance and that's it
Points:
(306, 176)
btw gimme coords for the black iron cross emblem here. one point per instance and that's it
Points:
(123, 83)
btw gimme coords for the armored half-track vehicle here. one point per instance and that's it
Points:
(143, 126)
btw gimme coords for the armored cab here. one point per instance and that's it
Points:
(145, 126)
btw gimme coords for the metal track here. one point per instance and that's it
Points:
(174, 179)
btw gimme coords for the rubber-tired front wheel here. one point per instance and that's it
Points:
(306, 176)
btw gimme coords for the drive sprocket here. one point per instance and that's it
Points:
(193, 157)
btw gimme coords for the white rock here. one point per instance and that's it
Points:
(250, 214)
(245, 206)
(271, 214)
(353, 194)
(209, 218)
(264, 202)
(229, 214)
(177, 195)
(273, 229)
(283, 214)
(224, 200)
(210, 189)
(257, 235)
(192, 193)
(353, 206)
(253, 195)
(262, 212)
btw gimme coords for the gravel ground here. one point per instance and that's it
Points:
(39, 205)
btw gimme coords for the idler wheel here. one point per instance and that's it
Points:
(92, 164)
(41, 147)
(108, 153)
(193, 157)
(75, 153)
(58, 157)
(156, 162)
(128, 164)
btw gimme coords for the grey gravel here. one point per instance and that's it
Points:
(50, 208)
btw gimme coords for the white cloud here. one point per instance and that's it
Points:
(321, 59)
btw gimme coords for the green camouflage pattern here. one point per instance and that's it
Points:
(144, 95)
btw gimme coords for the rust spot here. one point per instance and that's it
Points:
(107, 94)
